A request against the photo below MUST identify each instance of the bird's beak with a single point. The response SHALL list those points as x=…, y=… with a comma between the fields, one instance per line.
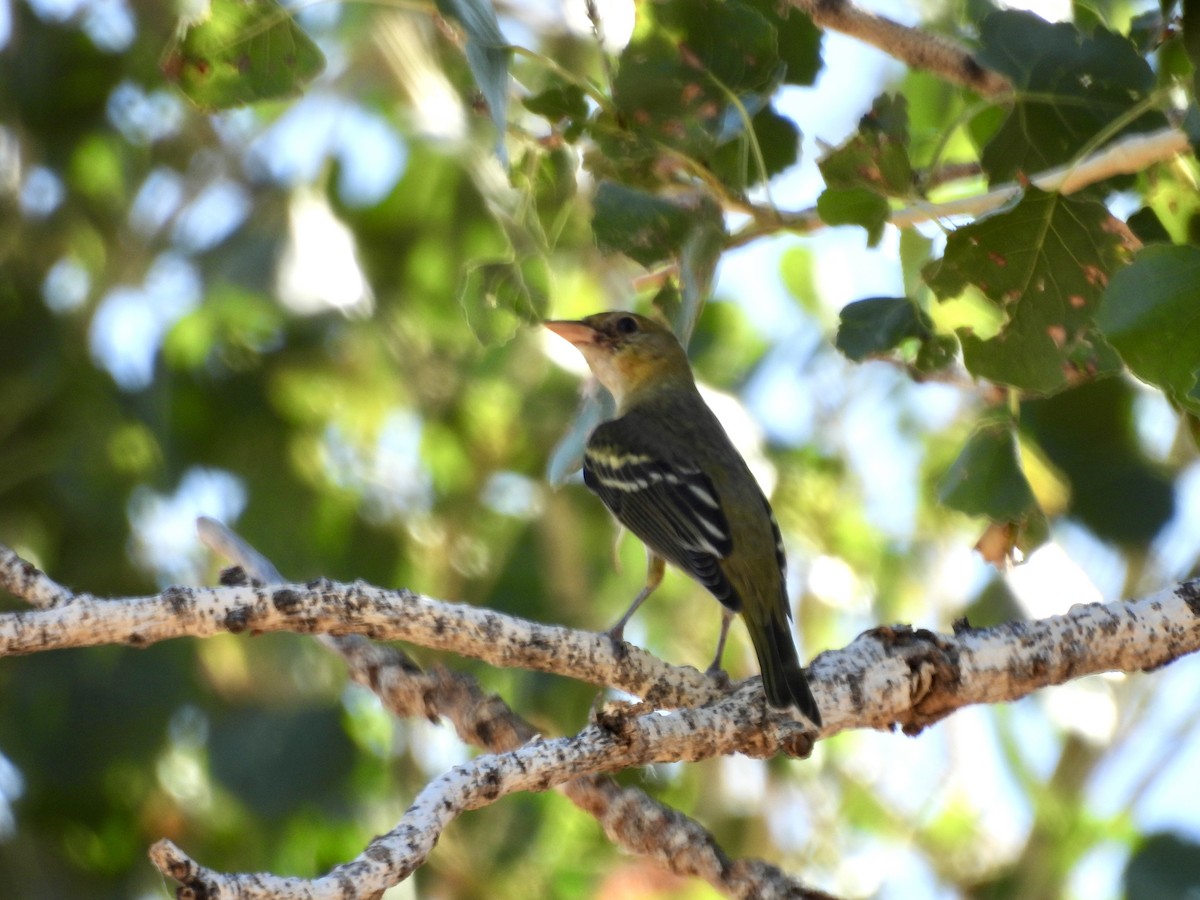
x=577, y=333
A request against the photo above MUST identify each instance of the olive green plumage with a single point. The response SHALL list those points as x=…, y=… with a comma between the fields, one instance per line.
x=669, y=473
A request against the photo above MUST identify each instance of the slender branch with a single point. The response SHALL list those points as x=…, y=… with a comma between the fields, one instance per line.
x=615, y=741
x=631, y=819
x=878, y=681
x=916, y=48
x=25, y=580
x=1127, y=156
x=329, y=608
x=888, y=677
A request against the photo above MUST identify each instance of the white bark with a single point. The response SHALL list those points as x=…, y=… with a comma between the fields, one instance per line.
x=888, y=677
x=1127, y=156
x=631, y=819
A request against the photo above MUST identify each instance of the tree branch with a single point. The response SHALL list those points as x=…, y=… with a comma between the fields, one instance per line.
x=916, y=48
x=615, y=741
x=1129, y=155
x=631, y=819
x=886, y=678
x=329, y=608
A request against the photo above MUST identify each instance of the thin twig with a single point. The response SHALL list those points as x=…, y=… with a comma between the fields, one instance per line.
x=1126, y=156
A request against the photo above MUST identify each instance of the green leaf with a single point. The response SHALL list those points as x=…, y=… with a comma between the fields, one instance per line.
x=624, y=153
x=650, y=229
x=1148, y=227
x=241, y=52
x=676, y=80
x=987, y=478
x=664, y=101
x=1146, y=30
x=1165, y=864
x=799, y=40
x=698, y=266
x=547, y=178
x=1151, y=316
x=915, y=250
x=936, y=353
x=499, y=296
x=1070, y=86
x=487, y=56
x=876, y=157
x=1090, y=436
x=735, y=162
x=727, y=40
x=562, y=102
x=876, y=325
x=855, y=206
x=1191, y=38
x=644, y=227
x=1044, y=261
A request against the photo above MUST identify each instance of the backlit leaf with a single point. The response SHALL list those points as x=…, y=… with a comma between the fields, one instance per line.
x=241, y=52
x=876, y=156
x=1070, y=86
x=1045, y=262
x=877, y=325
x=487, y=56
x=1150, y=315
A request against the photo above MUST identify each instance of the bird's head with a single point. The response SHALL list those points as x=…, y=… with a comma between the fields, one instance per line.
x=628, y=353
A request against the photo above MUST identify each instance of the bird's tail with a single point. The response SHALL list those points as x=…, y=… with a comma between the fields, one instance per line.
x=783, y=678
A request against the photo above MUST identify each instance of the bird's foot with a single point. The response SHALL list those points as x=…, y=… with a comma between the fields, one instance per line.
x=715, y=672
x=616, y=634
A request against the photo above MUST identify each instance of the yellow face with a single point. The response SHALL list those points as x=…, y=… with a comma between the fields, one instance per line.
x=625, y=351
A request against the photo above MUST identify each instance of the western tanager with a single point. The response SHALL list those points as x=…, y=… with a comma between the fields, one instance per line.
x=669, y=473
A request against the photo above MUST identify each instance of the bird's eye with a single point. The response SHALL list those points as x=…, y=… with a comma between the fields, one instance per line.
x=627, y=325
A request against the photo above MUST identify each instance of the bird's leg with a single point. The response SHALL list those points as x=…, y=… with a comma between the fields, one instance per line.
x=726, y=618
x=654, y=576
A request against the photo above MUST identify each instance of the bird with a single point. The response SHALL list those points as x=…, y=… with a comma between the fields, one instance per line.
x=668, y=472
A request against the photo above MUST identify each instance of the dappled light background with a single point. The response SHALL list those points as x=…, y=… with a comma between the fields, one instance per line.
x=273, y=316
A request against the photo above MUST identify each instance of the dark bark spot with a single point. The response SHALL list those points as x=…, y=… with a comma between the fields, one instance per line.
x=237, y=619
x=378, y=852
x=856, y=695
x=234, y=576
x=1189, y=593
x=178, y=599
x=973, y=71
x=490, y=788
x=286, y=600
x=613, y=720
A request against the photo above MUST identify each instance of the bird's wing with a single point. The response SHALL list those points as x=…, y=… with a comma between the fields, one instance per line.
x=672, y=506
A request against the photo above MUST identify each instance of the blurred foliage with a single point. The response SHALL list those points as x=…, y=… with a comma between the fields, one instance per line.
x=312, y=318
